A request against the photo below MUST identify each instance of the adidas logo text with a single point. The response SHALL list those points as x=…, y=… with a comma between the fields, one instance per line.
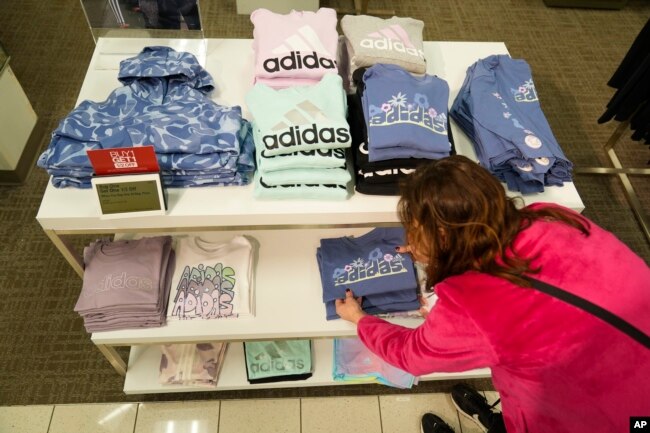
x=302, y=185
x=390, y=45
x=334, y=153
x=277, y=365
x=297, y=61
x=296, y=137
x=123, y=281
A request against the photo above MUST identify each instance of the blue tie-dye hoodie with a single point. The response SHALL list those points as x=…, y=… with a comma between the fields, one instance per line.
x=164, y=102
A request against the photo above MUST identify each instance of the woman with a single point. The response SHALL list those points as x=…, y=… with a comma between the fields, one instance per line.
x=557, y=367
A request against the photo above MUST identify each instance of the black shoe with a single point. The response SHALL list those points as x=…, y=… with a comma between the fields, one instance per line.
x=434, y=424
x=474, y=406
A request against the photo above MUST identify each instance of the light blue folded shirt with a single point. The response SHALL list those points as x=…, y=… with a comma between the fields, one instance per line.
x=315, y=158
x=262, y=190
x=300, y=118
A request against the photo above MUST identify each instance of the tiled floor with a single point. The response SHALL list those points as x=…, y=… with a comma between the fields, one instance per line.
x=367, y=414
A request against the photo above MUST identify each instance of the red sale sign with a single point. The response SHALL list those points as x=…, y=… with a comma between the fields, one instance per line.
x=123, y=160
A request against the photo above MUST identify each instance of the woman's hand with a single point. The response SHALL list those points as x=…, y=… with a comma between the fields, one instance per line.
x=349, y=308
x=403, y=249
x=415, y=255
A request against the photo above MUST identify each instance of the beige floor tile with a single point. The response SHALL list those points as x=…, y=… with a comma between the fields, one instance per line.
x=493, y=396
x=402, y=413
x=178, y=417
x=340, y=415
x=94, y=418
x=260, y=416
x=25, y=419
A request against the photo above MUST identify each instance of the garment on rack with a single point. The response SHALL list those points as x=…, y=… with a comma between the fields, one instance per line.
x=633, y=58
x=164, y=102
x=640, y=124
x=212, y=280
x=278, y=361
x=191, y=364
x=634, y=93
x=126, y=283
x=498, y=108
x=354, y=362
x=632, y=81
x=294, y=49
x=370, y=40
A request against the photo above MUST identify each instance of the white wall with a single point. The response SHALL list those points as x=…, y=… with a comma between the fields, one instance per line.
x=17, y=119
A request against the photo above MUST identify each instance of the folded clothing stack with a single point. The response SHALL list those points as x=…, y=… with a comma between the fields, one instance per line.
x=498, y=108
x=294, y=49
x=191, y=364
x=369, y=266
x=398, y=121
x=164, y=103
x=126, y=284
x=355, y=363
x=278, y=361
x=367, y=41
x=212, y=280
x=301, y=134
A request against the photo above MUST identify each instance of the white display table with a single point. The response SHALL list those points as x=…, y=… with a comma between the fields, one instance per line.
x=287, y=284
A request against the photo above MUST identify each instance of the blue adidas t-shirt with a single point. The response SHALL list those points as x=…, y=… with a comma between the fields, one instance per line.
x=513, y=114
x=387, y=303
x=367, y=265
x=404, y=113
x=498, y=108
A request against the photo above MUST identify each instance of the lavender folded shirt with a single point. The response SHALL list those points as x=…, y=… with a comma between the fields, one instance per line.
x=123, y=273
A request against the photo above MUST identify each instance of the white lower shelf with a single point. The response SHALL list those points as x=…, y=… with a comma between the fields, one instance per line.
x=288, y=296
x=144, y=362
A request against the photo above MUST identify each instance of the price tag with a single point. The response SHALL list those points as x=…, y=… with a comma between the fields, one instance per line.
x=129, y=195
x=123, y=160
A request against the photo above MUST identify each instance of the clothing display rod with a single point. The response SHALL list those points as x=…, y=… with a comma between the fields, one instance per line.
x=622, y=173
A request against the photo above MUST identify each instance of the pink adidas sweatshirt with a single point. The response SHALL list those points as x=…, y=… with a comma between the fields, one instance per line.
x=557, y=368
x=298, y=46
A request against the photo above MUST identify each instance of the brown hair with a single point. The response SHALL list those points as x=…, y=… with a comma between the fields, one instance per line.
x=457, y=213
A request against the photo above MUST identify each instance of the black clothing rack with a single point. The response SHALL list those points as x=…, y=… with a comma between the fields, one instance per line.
x=630, y=105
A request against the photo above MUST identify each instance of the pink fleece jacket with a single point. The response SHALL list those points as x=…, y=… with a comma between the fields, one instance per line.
x=557, y=368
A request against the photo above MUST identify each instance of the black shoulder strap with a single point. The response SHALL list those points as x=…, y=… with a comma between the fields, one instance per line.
x=594, y=309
